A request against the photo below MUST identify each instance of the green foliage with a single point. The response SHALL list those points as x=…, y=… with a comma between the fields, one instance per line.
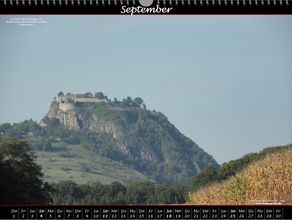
x=152, y=131
x=128, y=102
x=68, y=192
x=140, y=193
x=60, y=93
x=20, y=179
x=137, y=101
x=85, y=95
x=116, y=193
x=207, y=176
x=170, y=194
x=102, y=144
x=18, y=130
x=99, y=95
x=42, y=144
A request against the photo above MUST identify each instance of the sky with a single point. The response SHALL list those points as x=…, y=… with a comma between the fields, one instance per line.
x=223, y=81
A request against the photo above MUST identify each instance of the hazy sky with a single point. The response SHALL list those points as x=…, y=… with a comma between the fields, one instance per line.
x=223, y=81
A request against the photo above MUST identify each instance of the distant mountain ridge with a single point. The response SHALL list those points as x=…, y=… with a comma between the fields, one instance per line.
x=123, y=131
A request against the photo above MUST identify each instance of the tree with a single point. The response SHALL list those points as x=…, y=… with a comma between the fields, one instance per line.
x=137, y=101
x=20, y=179
x=170, y=194
x=140, y=193
x=116, y=192
x=88, y=95
x=60, y=93
x=208, y=175
x=67, y=192
x=128, y=101
x=99, y=95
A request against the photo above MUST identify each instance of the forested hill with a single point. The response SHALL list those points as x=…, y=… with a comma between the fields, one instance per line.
x=255, y=178
x=87, y=137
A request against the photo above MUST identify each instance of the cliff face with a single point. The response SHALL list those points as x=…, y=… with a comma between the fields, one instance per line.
x=77, y=120
x=144, y=139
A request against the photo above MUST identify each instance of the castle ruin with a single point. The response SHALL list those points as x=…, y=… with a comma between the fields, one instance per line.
x=70, y=101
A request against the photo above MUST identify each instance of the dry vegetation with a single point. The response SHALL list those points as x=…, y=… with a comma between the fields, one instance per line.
x=269, y=179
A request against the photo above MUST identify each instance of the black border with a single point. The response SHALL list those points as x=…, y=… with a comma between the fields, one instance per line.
x=182, y=7
x=114, y=211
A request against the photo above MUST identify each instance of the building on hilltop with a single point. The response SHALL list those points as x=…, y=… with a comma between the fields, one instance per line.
x=69, y=101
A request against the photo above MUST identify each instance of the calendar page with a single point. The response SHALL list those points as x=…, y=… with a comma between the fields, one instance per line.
x=149, y=109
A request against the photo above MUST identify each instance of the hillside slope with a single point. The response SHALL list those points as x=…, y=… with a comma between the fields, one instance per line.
x=268, y=179
x=78, y=164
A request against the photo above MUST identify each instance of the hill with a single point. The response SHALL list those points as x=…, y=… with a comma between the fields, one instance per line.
x=88, y=137
x=264, y=180
x=211, y=174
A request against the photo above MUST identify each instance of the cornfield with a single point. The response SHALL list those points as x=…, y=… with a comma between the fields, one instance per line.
x=268, y=180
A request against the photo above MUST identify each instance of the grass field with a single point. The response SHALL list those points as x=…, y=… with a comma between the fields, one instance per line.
x=81, y=166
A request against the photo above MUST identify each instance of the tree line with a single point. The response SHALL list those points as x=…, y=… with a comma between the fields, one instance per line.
x=68, y=192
